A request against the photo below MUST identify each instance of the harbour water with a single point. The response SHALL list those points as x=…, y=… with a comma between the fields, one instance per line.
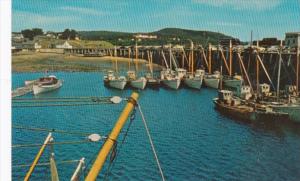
x=192, y=139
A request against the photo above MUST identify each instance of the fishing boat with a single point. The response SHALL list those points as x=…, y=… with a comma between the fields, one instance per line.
x=151, y=81
x=117, y=82
x=138, y=83
x=194, y=81
x=239, y=109
x=169, y=79
x=46, y=84
x=212, y=80
x=232, y=82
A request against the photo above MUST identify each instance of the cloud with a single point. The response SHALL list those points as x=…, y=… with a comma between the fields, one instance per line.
x=23, y=19
x=242, y=4
x=80, y=10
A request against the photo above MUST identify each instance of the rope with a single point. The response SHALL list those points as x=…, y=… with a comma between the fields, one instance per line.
x=52, y=105
x=51, y=130
x=116, y=152
x=151, y=143
x=45, y=164
x=54, y=143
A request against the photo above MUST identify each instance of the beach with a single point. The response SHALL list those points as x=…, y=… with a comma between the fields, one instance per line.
x=40, y=62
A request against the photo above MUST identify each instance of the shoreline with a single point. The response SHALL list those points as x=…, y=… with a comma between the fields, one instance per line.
x=34, y=62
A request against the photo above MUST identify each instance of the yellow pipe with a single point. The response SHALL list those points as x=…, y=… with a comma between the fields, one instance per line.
x=38, y=156
x=103, y=153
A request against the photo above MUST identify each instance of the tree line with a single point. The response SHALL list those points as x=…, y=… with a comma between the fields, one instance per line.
x=67, y=34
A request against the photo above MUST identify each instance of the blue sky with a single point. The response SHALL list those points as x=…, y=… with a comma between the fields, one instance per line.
x=267, y=18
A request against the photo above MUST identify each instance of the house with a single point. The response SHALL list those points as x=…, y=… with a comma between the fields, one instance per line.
x=17, y=37
x=144, y=36
x=292, y=39
x=66, y=45
x=31, y=45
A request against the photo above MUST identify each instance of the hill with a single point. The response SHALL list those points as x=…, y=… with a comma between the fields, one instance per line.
x=164, y=36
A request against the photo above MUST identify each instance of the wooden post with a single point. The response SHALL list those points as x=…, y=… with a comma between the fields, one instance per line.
x=297, y=71
x=111, y=140
x=209, y=58
x=257, y=72
x=230, y=58
x=37, y=158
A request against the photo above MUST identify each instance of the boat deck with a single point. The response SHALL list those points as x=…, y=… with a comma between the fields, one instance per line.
x=22, y=91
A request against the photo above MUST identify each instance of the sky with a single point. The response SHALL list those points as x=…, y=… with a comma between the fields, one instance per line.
x=267, y=18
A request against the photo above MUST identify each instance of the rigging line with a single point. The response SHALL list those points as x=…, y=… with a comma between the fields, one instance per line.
x=51, y=130
x=59, y=100
x=57, y=105
x=42, y=98
x=54, y=143
x=45, y=164
x=151, y=142
x=111, y=164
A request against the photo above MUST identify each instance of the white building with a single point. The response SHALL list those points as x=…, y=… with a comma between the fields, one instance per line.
x=292, y=39
x=66, y=45
x=143, y=36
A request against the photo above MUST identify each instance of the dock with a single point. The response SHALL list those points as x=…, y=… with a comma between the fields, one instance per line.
x=22, y=91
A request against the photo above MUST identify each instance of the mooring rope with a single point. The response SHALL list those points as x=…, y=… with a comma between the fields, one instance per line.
x=45, y=164
x=151, y=143
x=50, y=130
x=61, y=101
x=53, y=143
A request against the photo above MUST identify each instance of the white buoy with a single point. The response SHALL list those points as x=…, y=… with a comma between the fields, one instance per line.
x=94, y=137
x=116, y=99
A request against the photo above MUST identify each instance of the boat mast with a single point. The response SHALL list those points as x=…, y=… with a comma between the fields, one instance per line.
x=230, y=58
x=170, y=52
x=297, y=72
x=279, y=69
x=192, y=56
x=136, y=56
x=257, y=72
x=209, y=58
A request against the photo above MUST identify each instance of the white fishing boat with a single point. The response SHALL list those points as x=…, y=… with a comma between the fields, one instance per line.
x=194, y=81
x=139, y=83
x=232, y=82
x=46, y=84
x=212, y=80
x=172, y=82
x=117, y=82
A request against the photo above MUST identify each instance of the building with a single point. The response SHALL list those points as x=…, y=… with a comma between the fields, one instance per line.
x=292, y=39
x=268, y=42
x=144, y=36
x=30, y=45
x=225, y=42
x=66, y=45
x=17, y=37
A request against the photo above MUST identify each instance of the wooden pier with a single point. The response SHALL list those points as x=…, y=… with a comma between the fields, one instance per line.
x=22, y=91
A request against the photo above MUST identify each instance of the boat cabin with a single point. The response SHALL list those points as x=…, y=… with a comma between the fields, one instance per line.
x=225, y=95
x=131, y=75
x=181, y=72
x=244, y=92
x=200, y=72
x=264, y=89
x=48, y=80
x=291, y=90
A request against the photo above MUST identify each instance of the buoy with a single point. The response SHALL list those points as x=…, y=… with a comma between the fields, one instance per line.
x=94, y=137
x=116, y=99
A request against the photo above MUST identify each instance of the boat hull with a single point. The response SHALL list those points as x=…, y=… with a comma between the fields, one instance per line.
x=139, y=83
x=232, y=83
x=193, y=83
x=37, y=89
x=292, y=110
x=153, y=83
x=173, y=83
x=212, y=82
x=117, y=84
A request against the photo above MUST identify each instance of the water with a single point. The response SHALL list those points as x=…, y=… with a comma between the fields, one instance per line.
x=193, y=141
